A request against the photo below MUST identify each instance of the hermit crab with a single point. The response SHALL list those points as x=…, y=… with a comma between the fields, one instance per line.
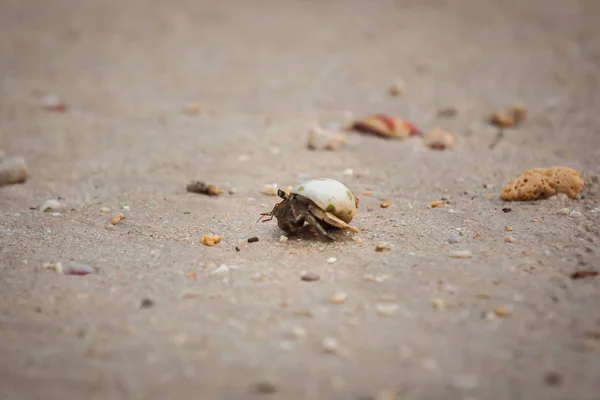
x=319, y=202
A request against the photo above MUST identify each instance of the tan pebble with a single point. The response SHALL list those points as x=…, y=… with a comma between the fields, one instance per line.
x=104, y=210
x=564, y=211
x=488, y=196
x=339, y=297
x=501, y=311
x=386, y=309
x=385, y=204
x=540, y=183
x=382, y=247
x=438, y=304
x=331, y=345
x=509, y=239
x=502, y=120
x=397, y=88
x=434, y=204
x=461, y=254
x=508, y=228
x=193, y=109
x=13, y=171
x=50, y=205
x=283, y=239
x=388, y=298
x=269, y=189
x=439, y=139
x=575, y=214
x=210, y=240
x=357, y=240
x=484, y=295
x=117, y=218
x=368, y=192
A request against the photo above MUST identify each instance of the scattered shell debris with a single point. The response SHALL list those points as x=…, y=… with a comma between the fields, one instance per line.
x=270, y=189
x=118, y=217
x=310, y=277
x=461, y=254
x=50, y=205
x=13, y=171
x=386, y=309
x=382, y=247
x=397, y=87
x=385, y=204
x=331, y=260
x=210, y=240
x=440, y=139
x=386, y=126
x=203, y=188
x=540, y=183
x=513, y=117
x=70, y=268
x=339, y=297
x=322, y=139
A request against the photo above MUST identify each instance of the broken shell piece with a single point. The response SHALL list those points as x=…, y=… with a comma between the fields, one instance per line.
x=13, y=171
x=53, y=103
x=513, y=117
x=434, y=204
x=461, y=254
x=540, y=183
x=117, y=218
x=386, y=126
x=71, y=268
x=203, y=188
x=210, y=240
x=321, y=139
x=269, y=189
x=386, y=309
x=439, y=139
x=397, y=88
x=50, y=205
x=339, y=297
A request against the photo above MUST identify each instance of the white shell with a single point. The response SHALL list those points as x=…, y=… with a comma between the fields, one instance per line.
x=329, y=195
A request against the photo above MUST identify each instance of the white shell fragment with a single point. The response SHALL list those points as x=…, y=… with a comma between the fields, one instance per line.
x=269, y=189
x=329, y=195
x=50, y=205
x=461, y=254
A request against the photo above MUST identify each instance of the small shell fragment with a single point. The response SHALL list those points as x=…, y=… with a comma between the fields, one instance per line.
x=385, y=204
x=438, y=304
x=339, y=297
x=564, y=211
x=269, y=189
x=117, y=218
x=193, y=109
x=397, y=88
x=283, y=239
x=386, y=126
x=513, y=117
x=331, y=260
x=331, y=345
x=104, y=210
x=71, y=268
x=439, y=139
x=321, y=139
x=509, y=239
x=382, y=247
x=502, y=311
x=461, y=254
x=386, y=309
x=508, y=228
x=50, y=205
x=13, y=171
x=434, y=204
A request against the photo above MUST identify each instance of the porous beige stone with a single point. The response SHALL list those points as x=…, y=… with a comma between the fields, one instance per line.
x=539, y=183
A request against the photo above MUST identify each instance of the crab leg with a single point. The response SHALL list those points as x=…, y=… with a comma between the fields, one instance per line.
x=312, y=221
x=335, y=221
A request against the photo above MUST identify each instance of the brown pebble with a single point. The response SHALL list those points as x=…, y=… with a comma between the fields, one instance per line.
x=310, y=277
x=385, y=204
x=13, y=171
x=502, y=120
x=447, y=112
x=253, y=239
x=553, y=378
x=117, y=218
x=265, y=388
x=146, y=303
x=203, y=188
x=502, y=311
x=382, y=247
x=397, y=88
x=581, y=274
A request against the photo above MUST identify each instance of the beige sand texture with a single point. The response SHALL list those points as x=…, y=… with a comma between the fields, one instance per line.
x=446, y=310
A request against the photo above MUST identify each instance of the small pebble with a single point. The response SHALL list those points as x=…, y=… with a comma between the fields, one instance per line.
x=104, y=210
x=339, y=297
x=438, y=304
x=310, y=277
x=385, y=204
x=575, y=214
x=117, y=218
x=386, y=309
x=203, y=188
x=484, y=295
x=331, y=345
x=348, y=172
x=54, y=103
x=506, y=209
x=382, y=246
x=388, y=298
x=146, y=303
x=564, y=211
x=553, y=378
x=376, y=279
x=509, y=239
x=298, y=332
x=434, y=204
x=253, y=239
x=192, y=109
x=331, y=260
x=283, y=239
x=454, y=239
x=210, y=240
x=50, y=205
x=461, y=254
x=397, y=88
x=502, y=311
x=269, y=189
x=265, y=388
x=13, y=171
x=508, y=228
